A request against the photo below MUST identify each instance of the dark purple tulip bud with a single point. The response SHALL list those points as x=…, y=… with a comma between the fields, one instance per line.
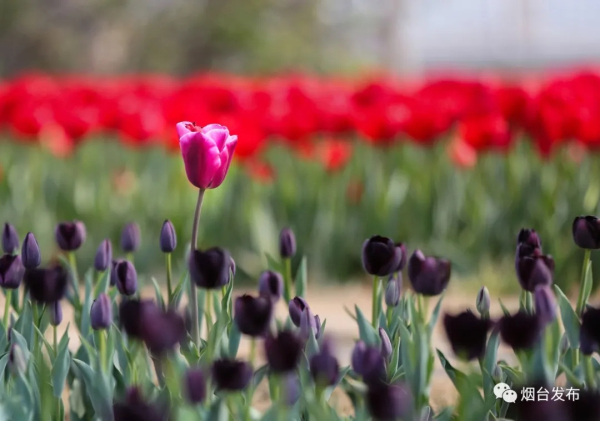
x=17, y=364
x=586, y=232
x=545, y=303
x=253, y=315
x=429, y=276
x=530, y=239
x=287, y=243
x=103, y=258
x=130, y=237
x=46, y=285
x=318, y=324
x=210, y=269
x=403, y=257
x=231, y=375
x=56, y=314
x=161, y=331
x=392, y=290
x=168, y=237
x=283, y=351
x=309, y=323
x=292, y=388
x=11, y=271
x=483, y=301
x=270, y=284
x=586, y=407
x=589, y=336
x=113, y=272
x=467, y=334
x=296, y=307
x=521, y=330
x=535, y=270
x=195, y=386
x=126, y=277
x=70, y=235
x=10, y=239
x=368, y=362
x=131, y=315
x=324, y=367
x=534, y=410
x=388, y=401
x=386, y=344
x=380, y=256
x=30, y=252
x=135, y=408
x=101, y=312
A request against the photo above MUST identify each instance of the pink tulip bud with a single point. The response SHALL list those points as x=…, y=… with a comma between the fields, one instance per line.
x=207, y=152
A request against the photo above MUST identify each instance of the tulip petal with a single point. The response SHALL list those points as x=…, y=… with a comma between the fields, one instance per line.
x=201, y=158
x=226, y=156
x=218, y=135
x=182, y=128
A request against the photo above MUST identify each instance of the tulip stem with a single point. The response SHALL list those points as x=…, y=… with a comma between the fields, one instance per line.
x=582, y=286
x=102, y=349
x=55, y=341
x=74, y=276
x=252, y=351
x=7, y=308
x=169, y=290
x=193, y=293
x=588, y=367
x=208, y=311
x=375, y=302
x=287, y=279
x=528, y=302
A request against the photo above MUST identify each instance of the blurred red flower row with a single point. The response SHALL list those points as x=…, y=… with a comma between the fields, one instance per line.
x=315, y=116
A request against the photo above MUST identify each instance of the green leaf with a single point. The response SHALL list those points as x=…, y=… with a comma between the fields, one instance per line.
x=504, y=309
x=587, y=283
x=395, y=358
x=3, y=337
x=158, y=294
x=259, y=375
x=312, y=347
x=218, y=411
x=366, y=332
x=3, y=363
x=24, y=323
x=516, y=377
x=103, y=283
x=234, y=340
x=436, y=313
x=60, y=367
x=18, y=339
x=85, y=324
x=98, y=390
x=273, y=264
x=489, y=362
x=301, y=279
x=569, y=318
x=180, y=289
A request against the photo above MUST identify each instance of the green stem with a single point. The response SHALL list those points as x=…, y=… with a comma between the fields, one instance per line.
x=102, y=346
x=374, y=302
x=169, y=290
x=582, y=287
x=193, y=293
x=588, y=366
x=74, y=276
x=287, y=279
x=7, y=308
x=528, y=302
x=129, y=256
x=252, y=351
x=208, y=311
x=55, y=341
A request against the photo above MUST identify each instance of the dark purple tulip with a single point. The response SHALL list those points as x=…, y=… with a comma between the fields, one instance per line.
x=296, y=307
x=70, y=235
x=168, y=237
x=535, y=270
x=380, y=256
x=586, y=408
x=324, y=367
x=30, y=252
x=287, y=243
x=403, y=257
x=467, y=334
x=126, y=277
x=130, y=237
x=210, y=269
x=11, y=271
x=113, y=272
x=270, y=284
x=253, y=315
x=56, y=314
x=161, y=331
x=232, y=375
x=135, y=408
x=47, y=285
x=103, y=258
x=130, y=316
x=392, y=290
x=195, y=386
x=527, y=242
x=590, y=331
x=368, y=362
x=586, y=232
x=386, y=344
x=545, y=303
x=292, y=388
x=10, y=239
x=101, y=312
x=535, y=410
x=521, y=330
x=388, y=401
x=429, y=276
x=283, y=351
x=308, y=323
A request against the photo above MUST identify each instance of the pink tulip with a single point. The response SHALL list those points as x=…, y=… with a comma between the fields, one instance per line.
x=207, y=152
